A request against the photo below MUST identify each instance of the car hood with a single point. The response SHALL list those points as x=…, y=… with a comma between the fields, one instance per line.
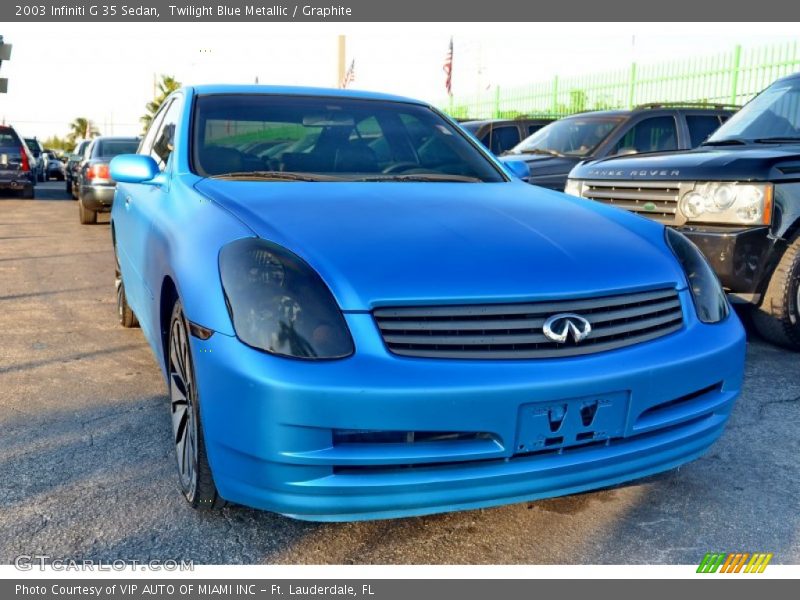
x=728, y=163
x=379, y=244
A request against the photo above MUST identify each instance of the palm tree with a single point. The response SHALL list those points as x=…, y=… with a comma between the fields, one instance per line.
x=166, y=86
x=82, y=128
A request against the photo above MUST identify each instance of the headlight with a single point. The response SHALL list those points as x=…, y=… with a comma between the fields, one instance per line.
x=574, y=187
x=728, y=203
x=279, y=304
x=709, y=298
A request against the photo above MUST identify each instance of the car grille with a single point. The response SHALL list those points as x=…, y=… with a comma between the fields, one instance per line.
x=657, y=200
x=514, y=331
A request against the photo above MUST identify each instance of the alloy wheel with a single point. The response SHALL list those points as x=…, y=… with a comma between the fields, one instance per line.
x=183, y=399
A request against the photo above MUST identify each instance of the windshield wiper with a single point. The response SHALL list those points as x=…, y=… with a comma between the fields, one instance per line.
x=726, y=142
x=275, y=176
x=422, y=177
x=543, y=151
x=777, y=140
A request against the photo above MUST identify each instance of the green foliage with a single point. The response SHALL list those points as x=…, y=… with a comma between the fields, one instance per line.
x=166, y=86
x=81, y=128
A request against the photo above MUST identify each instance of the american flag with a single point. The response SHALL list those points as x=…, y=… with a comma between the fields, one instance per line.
x=350, y=75
x=448, y=68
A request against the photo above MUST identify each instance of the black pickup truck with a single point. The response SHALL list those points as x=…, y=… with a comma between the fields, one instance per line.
x=737, y=197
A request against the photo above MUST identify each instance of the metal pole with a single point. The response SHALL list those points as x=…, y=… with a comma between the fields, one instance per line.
x=737, y=57
x=342, y=47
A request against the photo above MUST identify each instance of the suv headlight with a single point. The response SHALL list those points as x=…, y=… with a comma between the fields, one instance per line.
x=279, y=304
x=728, y=203
x=709, y=298
x=574, y=187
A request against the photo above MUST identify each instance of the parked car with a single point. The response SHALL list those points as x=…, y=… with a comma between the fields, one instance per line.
x=366, y=330
x=16, y=163
x=555, y=149
x=72, y=167
x=54, y=168
x=501, y=135
x=737, y=198
x=94, y=184
x=36, y=148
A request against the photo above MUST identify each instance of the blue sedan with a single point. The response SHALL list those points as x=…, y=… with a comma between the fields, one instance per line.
x=360, y=314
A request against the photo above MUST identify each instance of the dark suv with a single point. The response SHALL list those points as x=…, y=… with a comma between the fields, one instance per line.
x=737, y=197
x=17, y=164
x=500, y=135
x=552, y=151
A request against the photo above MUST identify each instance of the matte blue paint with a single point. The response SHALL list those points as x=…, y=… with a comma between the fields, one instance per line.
x=269, y=421
x=519, y=168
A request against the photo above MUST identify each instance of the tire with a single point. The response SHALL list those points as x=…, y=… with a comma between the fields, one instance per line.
x=125, y=313
x=68, y=187
x=87, y=216
x=194, y=473
x=29, y=193
x=777, y=318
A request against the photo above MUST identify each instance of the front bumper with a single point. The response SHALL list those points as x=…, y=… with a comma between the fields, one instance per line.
x=740, y=257
x=270, y=422
x=97, y=197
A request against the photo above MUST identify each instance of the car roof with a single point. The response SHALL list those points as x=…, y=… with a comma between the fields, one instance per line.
x=482, y=122
x=300, y=91
x=103, y=138
x=788, y=77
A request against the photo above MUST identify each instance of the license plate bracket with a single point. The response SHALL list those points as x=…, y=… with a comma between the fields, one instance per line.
x=572, y=422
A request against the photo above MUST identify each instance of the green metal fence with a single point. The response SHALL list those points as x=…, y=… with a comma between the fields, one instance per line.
x=727, y=78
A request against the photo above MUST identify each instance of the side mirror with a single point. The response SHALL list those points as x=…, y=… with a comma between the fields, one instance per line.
x=133, y=168
x=518, y=168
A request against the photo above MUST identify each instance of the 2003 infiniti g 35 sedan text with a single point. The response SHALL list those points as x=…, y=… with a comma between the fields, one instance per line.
x=361, y=314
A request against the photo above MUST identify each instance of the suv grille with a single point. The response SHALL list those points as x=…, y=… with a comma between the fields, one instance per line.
x=514, y=331
x=657, y=200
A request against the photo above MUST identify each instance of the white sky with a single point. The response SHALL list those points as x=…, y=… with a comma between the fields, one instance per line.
x=60, y=71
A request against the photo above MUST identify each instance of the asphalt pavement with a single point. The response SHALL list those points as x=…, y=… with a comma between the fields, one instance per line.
x=87, y=470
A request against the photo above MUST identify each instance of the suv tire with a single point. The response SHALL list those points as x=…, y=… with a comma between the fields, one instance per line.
x=777, y=318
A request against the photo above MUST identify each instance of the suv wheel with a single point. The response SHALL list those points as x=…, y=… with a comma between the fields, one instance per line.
x=68, y=187
x=194, y=472
x=29, y=193
x=87, y=216
x=777, y=318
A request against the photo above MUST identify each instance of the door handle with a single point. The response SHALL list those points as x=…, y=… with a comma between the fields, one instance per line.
x=127, y=201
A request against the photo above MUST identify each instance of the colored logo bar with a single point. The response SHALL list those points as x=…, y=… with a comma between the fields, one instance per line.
x=734, y=562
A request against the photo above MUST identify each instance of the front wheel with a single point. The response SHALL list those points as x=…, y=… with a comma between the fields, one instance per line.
x=194, y=472
x=777, y=318
x=125, y=313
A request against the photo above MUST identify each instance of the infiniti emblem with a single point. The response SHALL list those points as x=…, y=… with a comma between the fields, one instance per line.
x=560, y=327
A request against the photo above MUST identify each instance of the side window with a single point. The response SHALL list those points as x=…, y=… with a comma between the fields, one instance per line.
x=164, y=138
x=503, y=138
x=147, y=142
x=655, y=134
x=700, y=127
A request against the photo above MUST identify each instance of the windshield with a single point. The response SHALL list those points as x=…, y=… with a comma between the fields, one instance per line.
x=301, y=138
x=33, y=146
x=573, y=136
x=774, y=113
x=109, y=148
